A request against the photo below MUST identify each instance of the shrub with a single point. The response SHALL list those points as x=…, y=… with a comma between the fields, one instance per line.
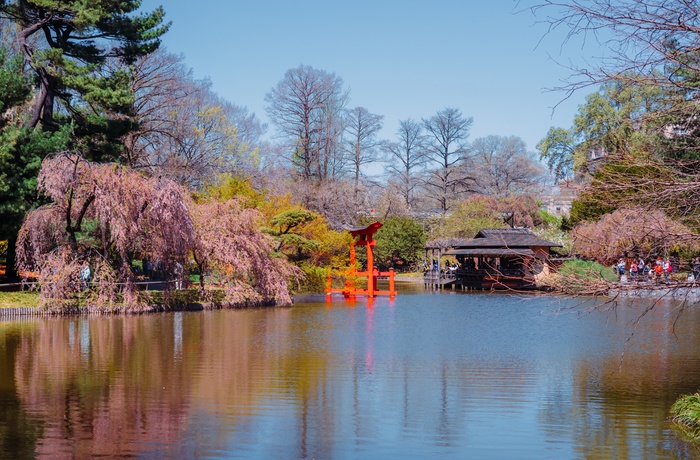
x=685, y=412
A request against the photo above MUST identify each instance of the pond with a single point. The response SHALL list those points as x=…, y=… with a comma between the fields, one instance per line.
x=425, y=375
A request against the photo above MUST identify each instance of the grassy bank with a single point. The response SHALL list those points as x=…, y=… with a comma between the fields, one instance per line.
x=160, y=300
x=23, y=299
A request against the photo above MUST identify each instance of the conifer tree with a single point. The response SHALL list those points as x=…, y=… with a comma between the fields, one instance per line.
x=71, y=93
x=67, y=44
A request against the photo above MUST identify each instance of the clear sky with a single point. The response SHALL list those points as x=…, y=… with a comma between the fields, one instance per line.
x=399, y=58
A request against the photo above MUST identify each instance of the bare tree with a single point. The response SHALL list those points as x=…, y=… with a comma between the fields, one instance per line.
x=306, y=107
x=643, y=39
x=159, y=81
x=185, y=131
x=333, y=160
x=204, y=143
x=364, y=146
x=407, y=156
x=503, y=167
x=447, y=133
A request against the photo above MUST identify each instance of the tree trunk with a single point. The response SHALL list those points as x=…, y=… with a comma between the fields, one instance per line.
x=11, y=260
x=42, y=108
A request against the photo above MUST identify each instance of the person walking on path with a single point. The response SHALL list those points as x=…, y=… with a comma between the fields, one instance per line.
x=178, y=275
x=658, y=269
x=85, y=276
x=620, y=267
x=646, y=271
x=667, y=269
x=634, y=268
x=695, y=267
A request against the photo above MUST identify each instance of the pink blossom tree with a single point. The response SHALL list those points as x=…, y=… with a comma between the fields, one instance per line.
x=130, y=214
x=230, y=242
x=107, y=215
x=631, y=230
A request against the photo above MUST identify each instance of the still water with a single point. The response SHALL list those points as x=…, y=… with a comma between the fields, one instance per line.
x=423, y=376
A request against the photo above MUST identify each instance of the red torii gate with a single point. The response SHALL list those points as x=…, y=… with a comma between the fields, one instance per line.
x=363, y=237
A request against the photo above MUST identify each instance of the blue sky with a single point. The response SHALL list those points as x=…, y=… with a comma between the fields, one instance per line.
x=399, y=58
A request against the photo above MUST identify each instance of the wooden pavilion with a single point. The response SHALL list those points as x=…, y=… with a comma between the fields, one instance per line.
x=503, y=258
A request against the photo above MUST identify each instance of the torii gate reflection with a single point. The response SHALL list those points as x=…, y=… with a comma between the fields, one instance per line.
x=363, y=237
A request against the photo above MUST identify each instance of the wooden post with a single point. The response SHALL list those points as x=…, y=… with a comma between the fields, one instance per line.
x=392, y=291
x=329, y=284
x=371, y=276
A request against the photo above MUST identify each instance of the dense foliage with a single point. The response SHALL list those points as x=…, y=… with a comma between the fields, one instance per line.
x=229, y=242
x=131, y=215
x=400, y=243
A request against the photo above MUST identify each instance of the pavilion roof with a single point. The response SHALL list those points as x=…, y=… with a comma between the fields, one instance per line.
x=494, y=238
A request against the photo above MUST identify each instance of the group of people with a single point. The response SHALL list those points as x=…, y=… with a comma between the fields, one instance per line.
x=646, y=270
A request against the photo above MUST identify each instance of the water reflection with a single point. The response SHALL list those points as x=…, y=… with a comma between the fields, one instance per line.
x=425, y=375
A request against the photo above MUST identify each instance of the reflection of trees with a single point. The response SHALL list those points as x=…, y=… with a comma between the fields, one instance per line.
x=305, y=379
x=616, y=400
x=121, y=385
x=104, y=386
x=18, y=430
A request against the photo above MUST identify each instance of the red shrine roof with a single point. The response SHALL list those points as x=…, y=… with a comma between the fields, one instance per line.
x=371, y=229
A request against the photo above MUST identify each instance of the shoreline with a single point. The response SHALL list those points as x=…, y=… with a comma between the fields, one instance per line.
x=680, y=290
x=676, y=291
x=9, y=312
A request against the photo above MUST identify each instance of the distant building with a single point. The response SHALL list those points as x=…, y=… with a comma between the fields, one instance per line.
x=676, y=130
x=596, y=158
x=558, y=201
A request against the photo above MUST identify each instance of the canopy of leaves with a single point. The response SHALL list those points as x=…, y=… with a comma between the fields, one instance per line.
x=228, y=186
x=400, y=243
x=618, y=119
x=286, y=221
x=79, y=53
x=14, y=85
x=558, y=148
x=21, y=152
x=642, y=182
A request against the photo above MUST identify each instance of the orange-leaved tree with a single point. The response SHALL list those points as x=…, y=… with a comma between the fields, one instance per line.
x=301, y=236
